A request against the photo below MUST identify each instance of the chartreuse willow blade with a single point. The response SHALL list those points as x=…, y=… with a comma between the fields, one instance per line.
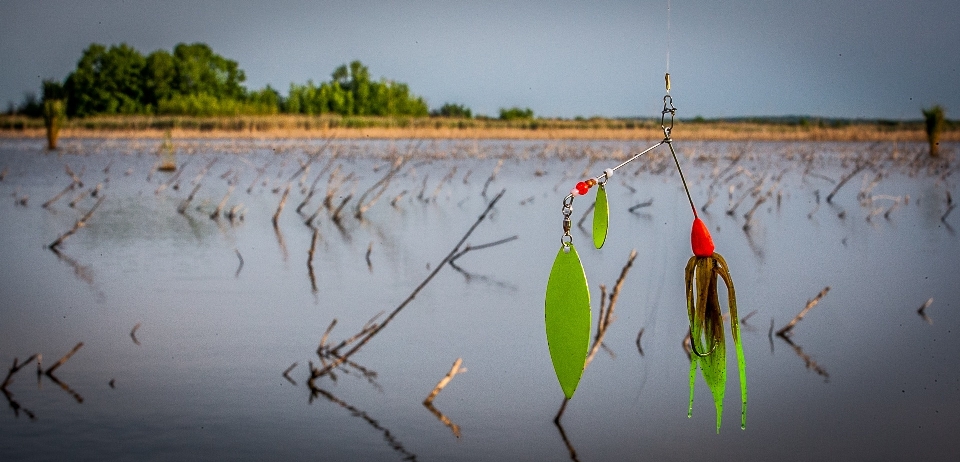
x=601, y=217
x=707, y=339
x=567, y=318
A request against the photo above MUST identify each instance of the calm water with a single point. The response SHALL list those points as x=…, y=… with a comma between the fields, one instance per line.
x=202, y=376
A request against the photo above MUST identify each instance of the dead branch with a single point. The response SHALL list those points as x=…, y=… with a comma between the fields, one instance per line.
x=428, y=403
x=375, y=330
x=336, y=212
x=444, y=381
x=186, y=202
x=313, y=249
x=14, y=369
x=859, y=167
x=922, y=311
x=641, y=205
x=639, y=348
x=62, y=360
x=283, y=202
x=73, y=176
x=382, y=184
x=786, y=330
x=749, y=215
x=493, y=176
x=133, y=334
x=223, y=203
x=237, y=251
x=443, y=181
x=286, y=374
x=54, y=199
x=79, y=224
x=605, y=318
x=367, y=257
x=469, y=248
x=323, y=338
x=396, y=199
x=311, y=192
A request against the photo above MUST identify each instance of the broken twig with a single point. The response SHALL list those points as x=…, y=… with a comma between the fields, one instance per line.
x=785, y=330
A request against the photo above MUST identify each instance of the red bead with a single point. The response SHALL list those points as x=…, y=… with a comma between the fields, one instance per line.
x=700, y=239
x=582, y=188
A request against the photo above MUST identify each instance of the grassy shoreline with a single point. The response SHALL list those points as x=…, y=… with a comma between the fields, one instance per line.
x=324, y=127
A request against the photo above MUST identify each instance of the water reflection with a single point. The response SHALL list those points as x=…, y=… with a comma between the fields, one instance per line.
x=391, y=440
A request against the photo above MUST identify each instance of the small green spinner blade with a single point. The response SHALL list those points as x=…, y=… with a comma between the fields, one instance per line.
x=601, y=217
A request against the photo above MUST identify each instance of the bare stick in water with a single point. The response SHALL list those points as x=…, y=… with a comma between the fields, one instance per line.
x=283, y=202
x=53, y=200
x=79, y=224
x=222, y=204
x=398, y=309
x=133, y=334
x=313, y=249
x=922, y=311
x=606, y=317
x=14, y=369
x=64, y=359
x=785, y=330
x=428, y=403
x=444, y=381
x=286, y=374
x=186, y=202
x=860, y=166
x=241, y=262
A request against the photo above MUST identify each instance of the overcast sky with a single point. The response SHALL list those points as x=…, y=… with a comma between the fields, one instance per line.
x=855, y=59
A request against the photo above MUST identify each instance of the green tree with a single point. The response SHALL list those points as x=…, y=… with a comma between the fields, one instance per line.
x=265, y=101
x=453, y=110
x=350, y=91
x=198, y=70
x=159, y=78
x=106, y=81
x=515, y=113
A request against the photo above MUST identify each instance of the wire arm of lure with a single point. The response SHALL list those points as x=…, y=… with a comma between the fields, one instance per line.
x=603, y=177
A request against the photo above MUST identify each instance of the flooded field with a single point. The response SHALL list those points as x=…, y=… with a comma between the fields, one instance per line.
x=206, y=310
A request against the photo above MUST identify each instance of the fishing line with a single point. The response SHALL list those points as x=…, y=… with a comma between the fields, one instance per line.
x=668, y=42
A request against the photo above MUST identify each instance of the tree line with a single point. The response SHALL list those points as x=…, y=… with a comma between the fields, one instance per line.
x=194, y=80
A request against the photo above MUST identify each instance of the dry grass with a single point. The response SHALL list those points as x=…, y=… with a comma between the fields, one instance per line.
x=326, y=127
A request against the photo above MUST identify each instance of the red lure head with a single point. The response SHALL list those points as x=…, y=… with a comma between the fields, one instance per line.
x=700, y=239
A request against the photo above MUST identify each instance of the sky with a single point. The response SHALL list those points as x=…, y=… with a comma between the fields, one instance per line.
x=868, y=59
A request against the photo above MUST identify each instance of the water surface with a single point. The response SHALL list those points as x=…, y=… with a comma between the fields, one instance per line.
x=867, y=378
